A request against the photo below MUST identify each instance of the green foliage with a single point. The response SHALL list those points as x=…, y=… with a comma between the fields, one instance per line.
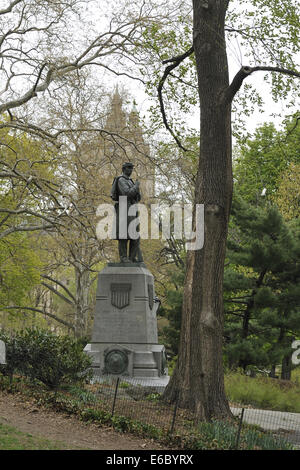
x=263, y=159
x=172, y=364
x=287, y=198
x=14, y=357
x=82, y=395
x=41, y=355
x=154, y=397
x=171, y=310
x=19, y=269
x=225, y=434
x=177, y=170
x=267, y=34
x=253, y=439
x=124, y=385
x=262, y=276
x=161, y=41
x=121, y=423
x=296, y=376
x=221, y=432
x=28, y=191
x=261, y=289
x=262, y=392
x=100, y=416
x=247, y=351
x=213, y=435
x=261, y=286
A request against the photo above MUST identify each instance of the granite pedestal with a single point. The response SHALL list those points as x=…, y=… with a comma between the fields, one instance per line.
x=124, y=339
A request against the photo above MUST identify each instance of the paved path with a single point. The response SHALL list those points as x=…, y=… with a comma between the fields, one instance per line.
x=285, y=424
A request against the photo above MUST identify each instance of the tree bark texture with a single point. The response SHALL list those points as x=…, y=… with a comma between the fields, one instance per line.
x=286, y=367
x=198, y=380
x=82, y=282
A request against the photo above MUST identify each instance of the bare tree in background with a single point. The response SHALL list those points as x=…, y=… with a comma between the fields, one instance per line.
x=42, y=42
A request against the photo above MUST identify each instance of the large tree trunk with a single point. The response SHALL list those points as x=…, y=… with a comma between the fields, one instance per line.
x=198, y=380
x=82, y=281
x=286, y=362
x=286, y=367
x=247, y=315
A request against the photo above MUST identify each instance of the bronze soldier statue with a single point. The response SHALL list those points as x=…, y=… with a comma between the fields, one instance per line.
x=124, y=186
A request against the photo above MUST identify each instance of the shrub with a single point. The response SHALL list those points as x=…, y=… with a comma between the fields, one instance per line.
x=14, y=356
x=44, y=356
x=224, y=435
x=82, y=395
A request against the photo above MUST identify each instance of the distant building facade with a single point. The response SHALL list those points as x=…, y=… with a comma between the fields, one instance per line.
x=123, y=141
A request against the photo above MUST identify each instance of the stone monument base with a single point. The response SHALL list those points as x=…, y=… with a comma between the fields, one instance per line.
x=124, y=340
x=134, y=360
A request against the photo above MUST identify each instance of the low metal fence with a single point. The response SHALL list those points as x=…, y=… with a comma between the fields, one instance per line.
x=142, y=401
x=136, y=399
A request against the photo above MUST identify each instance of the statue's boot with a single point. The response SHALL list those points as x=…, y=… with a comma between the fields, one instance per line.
x=135, y=254
x=123, y=251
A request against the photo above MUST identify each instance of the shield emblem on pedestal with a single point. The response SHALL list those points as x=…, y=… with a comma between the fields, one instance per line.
x=120, y=295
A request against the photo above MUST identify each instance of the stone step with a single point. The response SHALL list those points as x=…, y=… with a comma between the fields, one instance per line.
x=139, y=372
x=144, y=360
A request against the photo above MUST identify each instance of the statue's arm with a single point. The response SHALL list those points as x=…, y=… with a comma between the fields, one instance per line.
x=125, y=188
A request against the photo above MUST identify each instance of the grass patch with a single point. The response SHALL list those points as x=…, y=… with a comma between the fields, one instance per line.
x=12, y=439
x=296, y=375
x=263, y=392
x=224, y=435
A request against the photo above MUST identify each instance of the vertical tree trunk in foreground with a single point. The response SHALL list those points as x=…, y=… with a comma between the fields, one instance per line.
x=82, y=291
x=198, y=379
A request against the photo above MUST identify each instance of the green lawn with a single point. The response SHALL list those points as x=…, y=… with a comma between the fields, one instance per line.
x=12, y=439
x=263, y=392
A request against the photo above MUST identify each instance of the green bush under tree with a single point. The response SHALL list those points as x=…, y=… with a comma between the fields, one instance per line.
x=261, y=287
x=41, y=355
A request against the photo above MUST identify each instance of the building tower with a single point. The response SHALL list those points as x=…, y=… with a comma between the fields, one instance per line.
x=122, y=141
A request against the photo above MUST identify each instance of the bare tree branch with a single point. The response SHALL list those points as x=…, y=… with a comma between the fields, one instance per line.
x=44, y=312
x=175, y=61
x=56, y=292
x=25, y=228
x=245, y=72
x=19, y=56
x=60, y=284
x=27, y=212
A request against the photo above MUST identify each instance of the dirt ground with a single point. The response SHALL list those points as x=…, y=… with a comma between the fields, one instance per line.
x=40, y=422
